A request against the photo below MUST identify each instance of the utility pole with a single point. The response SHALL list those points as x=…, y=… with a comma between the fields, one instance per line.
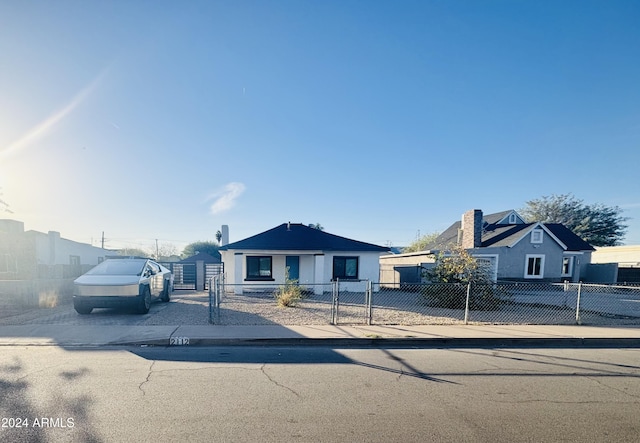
x=102, y=239
x=157, y=251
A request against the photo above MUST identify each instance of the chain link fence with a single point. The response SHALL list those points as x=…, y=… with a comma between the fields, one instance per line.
x=428, y=304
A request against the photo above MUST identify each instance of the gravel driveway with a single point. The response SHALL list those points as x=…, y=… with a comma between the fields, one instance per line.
x=185, y=308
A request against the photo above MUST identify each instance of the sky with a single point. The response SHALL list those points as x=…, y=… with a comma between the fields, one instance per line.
x=382, y=121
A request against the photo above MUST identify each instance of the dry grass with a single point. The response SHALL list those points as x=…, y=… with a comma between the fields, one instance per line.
x=288, y=295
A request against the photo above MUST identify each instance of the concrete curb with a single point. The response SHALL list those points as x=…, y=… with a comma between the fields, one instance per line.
x=411, y=342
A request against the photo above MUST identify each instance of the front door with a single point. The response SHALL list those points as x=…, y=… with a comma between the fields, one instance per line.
x=292, y=262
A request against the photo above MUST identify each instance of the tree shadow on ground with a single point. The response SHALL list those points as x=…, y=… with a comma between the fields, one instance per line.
x=68, y=417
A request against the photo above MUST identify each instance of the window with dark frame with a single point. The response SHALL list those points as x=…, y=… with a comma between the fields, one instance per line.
x=345, y=268
x=535, y=266
x=259, y=268
x=567, y=266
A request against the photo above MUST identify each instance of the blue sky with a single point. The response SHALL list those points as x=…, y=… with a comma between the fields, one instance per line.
x=379, y=120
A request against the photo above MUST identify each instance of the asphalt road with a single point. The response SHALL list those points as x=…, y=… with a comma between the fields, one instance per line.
x=308, y=394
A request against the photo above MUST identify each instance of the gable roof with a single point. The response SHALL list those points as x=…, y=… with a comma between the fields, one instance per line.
x=495, y=234
x=296, y=236
x=207, y=258
x=566, y=235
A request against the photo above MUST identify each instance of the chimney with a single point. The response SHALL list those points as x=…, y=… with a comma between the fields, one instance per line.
x=225, y=235
x=54, y=240
x=472, y=229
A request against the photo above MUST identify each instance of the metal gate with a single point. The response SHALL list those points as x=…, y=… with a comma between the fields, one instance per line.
x=212, y=270
x=351, y=302
x=185, y=275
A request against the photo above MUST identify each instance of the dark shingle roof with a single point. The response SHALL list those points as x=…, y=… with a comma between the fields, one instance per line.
x=495, y=218
x=503, y=235
x=296, y=236
x=494, y=235
x=566, y=236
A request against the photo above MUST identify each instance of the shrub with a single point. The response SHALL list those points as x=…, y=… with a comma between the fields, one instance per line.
x=290, y=293
x=483, y=297
x=446, y=295
x=450, y=278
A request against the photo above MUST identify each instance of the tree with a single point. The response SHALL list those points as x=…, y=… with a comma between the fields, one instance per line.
x=317, y=226
x=219, y=236
x=451, y=275
x=208, y=247
x=134, y=252
x=421, y=243
x=597, y=224
x=457, y=266
x=4, y=206
x=165, y=250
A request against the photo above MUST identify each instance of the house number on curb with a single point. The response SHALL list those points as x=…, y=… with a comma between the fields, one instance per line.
x=173, y=341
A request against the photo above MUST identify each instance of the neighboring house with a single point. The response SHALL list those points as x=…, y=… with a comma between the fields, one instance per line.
x=36, y=255
x=204, y=257
x=625, y=258
x=313, y=257
x=507, y=246
x=195, y=270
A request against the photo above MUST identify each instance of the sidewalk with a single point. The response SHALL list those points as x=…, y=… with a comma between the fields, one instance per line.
x=326, y=335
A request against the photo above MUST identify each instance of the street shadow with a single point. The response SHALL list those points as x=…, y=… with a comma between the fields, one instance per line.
x=608, y=369
x=278, y=355
x=24, y=421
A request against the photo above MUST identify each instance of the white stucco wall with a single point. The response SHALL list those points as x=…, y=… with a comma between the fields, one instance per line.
x=628, y=255
x=51, y=249
x=368, y=267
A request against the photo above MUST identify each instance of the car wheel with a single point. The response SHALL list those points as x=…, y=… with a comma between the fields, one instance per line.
x=82, y=310
x=166, y=291
x=144, y=303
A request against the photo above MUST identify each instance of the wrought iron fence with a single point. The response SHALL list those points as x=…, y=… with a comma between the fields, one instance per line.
x=417, y=304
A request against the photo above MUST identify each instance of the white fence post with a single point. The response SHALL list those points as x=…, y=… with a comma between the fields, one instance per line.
x=211, y=299
x=334, y=302
x=578, y=321
x=466, y=304
x=369, y=301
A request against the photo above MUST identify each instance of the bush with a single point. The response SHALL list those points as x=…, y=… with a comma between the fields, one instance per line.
x=450, y=278
x=446, y=295
x=289, y=294
x=483, y=297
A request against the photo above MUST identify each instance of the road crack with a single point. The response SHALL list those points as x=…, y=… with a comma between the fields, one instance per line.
x=147, y=380
x=280, y=385
x=604, y=385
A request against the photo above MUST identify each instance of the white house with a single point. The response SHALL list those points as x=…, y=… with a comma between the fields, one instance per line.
x=26, y=255
x=315, y=258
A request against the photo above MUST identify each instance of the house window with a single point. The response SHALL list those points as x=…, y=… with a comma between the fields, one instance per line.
x=259, y=268
x=74, y=260
x=536, y=236
x=512, y=219
x=534, y=266
x=345, y=268
x=8, y=264
x=567, y=266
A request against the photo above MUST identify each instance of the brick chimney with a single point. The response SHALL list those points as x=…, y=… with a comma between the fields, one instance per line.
x=472, y=229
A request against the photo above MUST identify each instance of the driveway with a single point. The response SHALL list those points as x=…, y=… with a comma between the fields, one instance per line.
x=185, y=308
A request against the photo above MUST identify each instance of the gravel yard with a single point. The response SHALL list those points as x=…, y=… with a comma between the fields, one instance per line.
x=192, y=308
